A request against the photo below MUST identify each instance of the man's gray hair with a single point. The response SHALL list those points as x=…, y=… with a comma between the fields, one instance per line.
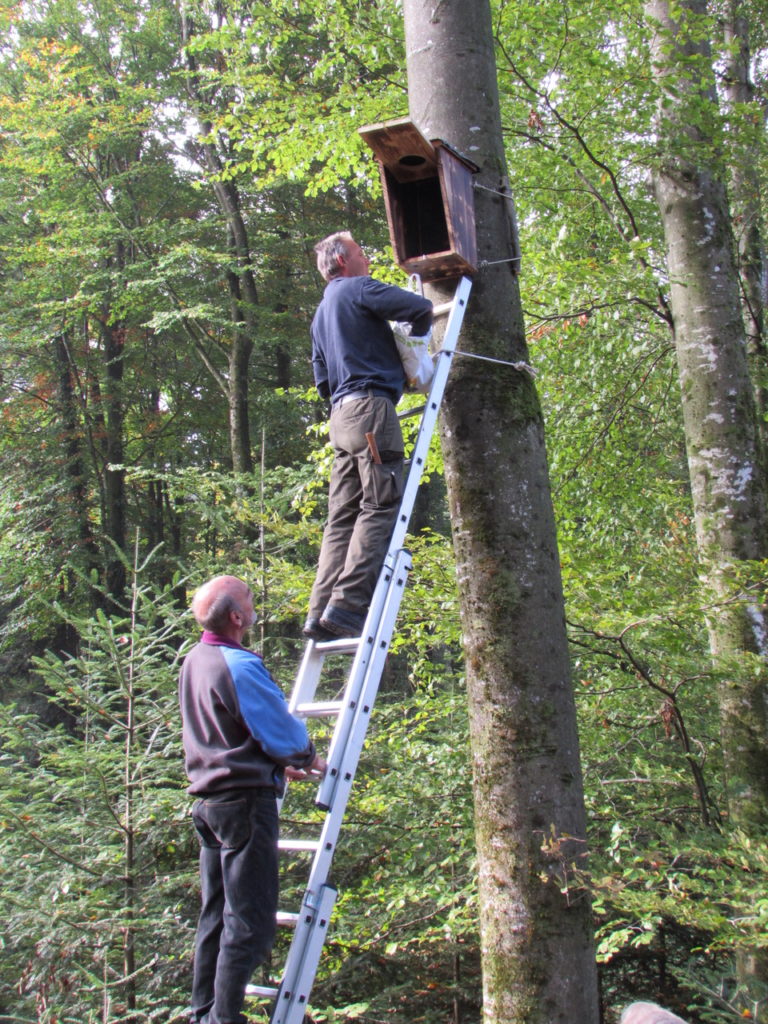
x=216, y=616
x=216, y=599
x=328, y=252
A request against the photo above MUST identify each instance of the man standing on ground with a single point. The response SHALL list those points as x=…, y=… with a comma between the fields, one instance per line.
x=240, y=742
x=356, y=364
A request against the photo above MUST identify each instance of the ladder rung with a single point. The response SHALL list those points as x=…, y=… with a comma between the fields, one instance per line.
x=321, y=709
x=286, y=919
x=298, y=845
x=444, y=307
x=265, y=991
x=417, y=410
x=344, y=645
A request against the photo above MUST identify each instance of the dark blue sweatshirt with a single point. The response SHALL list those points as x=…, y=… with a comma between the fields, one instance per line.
x=353, y=348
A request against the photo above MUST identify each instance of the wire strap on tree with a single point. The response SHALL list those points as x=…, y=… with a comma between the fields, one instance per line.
x=492, y=263
x=496, y=192
x=521, y=367
x=510, y=199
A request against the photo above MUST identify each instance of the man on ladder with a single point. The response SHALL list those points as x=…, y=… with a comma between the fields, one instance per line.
x=356, y=364
x=240, y=743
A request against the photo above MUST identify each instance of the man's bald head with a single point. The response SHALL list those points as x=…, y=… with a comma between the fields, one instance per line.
x=223, y=604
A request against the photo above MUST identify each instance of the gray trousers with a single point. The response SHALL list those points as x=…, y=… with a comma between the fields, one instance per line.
x=363, y=500
x=238, y=874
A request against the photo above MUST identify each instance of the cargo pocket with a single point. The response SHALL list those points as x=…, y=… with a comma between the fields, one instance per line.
x=387, y=480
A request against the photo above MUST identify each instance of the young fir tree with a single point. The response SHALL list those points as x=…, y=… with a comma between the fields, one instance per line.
x=96, y=851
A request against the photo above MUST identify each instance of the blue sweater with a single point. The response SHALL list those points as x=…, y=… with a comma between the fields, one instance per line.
x=236, y=727
x=353, y=348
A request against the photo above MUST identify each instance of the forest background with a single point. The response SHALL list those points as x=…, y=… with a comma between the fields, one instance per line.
x=164, y=173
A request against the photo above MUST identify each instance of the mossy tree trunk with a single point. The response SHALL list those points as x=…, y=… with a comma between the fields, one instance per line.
x=727, y=472
x=536, y=925
x=745, y=190
x=724, y=456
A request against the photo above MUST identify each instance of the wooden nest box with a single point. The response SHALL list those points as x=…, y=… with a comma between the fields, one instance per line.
x=429, y=200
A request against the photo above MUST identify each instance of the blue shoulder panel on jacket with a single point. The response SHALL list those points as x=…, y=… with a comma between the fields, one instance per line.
x=265, y=709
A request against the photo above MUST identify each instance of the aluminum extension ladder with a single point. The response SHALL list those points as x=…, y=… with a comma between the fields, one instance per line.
x=354, y=709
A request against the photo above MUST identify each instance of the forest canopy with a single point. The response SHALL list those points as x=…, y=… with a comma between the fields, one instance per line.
x=165, y=171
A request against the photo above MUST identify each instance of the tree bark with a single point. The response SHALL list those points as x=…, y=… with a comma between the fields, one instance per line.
x=728, y=483
x=724, y=458
x=80, y=543
x=241, y=281
x=745, y=191
x=86, y=554
x=114, y=512
x=243, y=309
x=536, y=925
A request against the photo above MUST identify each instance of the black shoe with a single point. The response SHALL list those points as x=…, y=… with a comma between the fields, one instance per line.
x=315, y=631
x=341, y=622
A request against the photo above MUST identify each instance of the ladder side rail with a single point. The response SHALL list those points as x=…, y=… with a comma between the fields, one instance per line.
x=307, y=678
x=306, y=945
x=303, y=958
x=337, y=754
x=456, y=317
x=355, y=681
x=444, y=359
x=360, y=694
x=418, y=457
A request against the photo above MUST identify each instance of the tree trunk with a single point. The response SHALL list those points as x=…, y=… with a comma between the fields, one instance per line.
x=113, y=338
x=244, y=329
x=745, y=192
x=86, y=555
x=728, y=481
x=727, y=475
x=80, y=543
x=241, y=282
x=536, y=926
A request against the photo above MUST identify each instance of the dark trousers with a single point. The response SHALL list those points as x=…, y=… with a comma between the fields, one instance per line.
x=238, y=833
x=363, y=500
